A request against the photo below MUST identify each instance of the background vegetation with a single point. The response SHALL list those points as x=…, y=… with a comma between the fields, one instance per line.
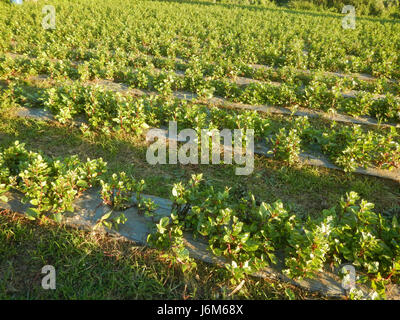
x=381, y=8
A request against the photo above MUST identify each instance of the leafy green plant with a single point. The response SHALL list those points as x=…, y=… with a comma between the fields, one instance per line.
x=112, y=223
x=250, y=236
x=351, y=147
x=118, y=193
x=286, y=145
x=49, y=185
x=169, y=236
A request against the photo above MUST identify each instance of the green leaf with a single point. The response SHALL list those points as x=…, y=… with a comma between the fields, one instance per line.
x=108, y=224
x=82, y=184
x=106, y=216
x=34, y=202
x=164, y=221
x=373, y=267
x=32, y=213
x=251, y=245
x=395, y=223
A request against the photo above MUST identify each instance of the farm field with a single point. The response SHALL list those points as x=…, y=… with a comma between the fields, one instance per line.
x=78, y=101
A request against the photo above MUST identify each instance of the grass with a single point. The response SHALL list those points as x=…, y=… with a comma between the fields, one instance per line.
x=96, y=266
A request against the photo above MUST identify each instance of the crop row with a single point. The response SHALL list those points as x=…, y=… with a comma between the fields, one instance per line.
x=318, y=94
x=248, y=233
x=224, y=36
x=106, y=111
x=252, y=235
x=116, y=60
